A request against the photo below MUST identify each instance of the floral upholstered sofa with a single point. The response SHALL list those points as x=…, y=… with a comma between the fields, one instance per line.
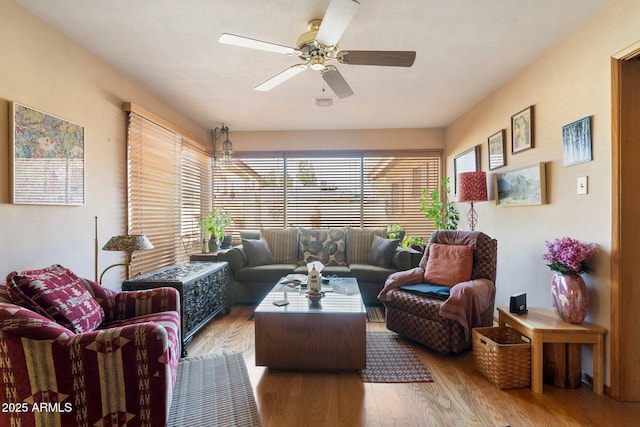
x=73, y=353
x=269, y=254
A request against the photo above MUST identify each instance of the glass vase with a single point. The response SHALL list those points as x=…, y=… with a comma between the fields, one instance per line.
x=570, y=297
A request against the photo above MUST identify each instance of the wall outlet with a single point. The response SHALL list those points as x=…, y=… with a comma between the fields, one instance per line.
x=582, y=185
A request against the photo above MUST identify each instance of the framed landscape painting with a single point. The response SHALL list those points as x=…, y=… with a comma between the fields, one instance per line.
x=496, y=150
x=522, y=187
x=47, y=159
x=522, y=130
x=576, y=142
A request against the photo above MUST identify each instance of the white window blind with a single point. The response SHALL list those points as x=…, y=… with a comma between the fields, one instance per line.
x=169, y=189
x=366, y=189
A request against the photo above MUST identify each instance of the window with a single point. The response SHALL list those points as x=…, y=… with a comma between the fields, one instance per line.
x=368, y=189
x=169, y=189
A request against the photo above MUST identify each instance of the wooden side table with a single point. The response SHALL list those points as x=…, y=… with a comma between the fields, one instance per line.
x=542, y=325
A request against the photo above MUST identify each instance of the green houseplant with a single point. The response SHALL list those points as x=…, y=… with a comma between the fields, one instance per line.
x=436, y=206
x=214, y=224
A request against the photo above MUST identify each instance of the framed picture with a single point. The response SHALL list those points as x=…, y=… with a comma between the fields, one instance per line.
x=47, y=159
x=467, y=161
x=576, y=142
x=521, y=187
x=522, y=130
x=496, y=150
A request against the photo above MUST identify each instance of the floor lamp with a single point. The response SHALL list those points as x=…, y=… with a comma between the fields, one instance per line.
x=127, y=243
x=472, y=187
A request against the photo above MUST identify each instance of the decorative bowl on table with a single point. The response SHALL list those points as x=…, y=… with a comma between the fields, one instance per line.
x=315, y=297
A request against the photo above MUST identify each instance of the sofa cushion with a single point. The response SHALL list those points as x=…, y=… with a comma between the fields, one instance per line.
x=435, y=291
x=264, y=273
x=58, y=292
x=448, y=265
x=370, y=273
x=257, y=252
x=283, y=244
x=382, y=251
x=327, y=245
x=359, y=241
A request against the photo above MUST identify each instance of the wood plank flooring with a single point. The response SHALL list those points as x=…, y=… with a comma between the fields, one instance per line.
x=459, y=395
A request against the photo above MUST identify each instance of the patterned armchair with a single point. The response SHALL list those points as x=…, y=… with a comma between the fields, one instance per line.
x=442, y=319
x=75, y=353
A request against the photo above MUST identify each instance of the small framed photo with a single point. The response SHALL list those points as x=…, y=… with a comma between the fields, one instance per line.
x=496, y=150
x=576, y=142
x=522, y=130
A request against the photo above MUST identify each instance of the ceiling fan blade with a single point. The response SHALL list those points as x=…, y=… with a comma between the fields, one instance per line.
x=241, y=41
x=391, y=58
x=335, y=21
x=337, y=83
x=281, y=77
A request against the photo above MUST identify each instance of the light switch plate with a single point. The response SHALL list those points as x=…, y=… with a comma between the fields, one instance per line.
x=582, y=185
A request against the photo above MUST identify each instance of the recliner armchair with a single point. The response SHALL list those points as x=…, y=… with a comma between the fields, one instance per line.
x=122, y=371
x=445, y=324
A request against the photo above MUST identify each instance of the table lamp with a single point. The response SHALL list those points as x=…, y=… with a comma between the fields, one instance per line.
x=472, y=187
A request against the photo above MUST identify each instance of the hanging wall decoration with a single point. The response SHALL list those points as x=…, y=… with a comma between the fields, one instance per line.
x=47, y=159
x=522, y=130
x=576, y=142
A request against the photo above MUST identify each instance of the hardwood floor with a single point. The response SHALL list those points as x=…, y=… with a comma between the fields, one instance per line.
x=459, y=395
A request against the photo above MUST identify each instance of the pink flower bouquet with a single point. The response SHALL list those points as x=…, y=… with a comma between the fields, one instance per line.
x=569, y=256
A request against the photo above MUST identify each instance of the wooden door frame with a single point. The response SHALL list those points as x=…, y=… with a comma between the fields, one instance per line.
x=625, y=219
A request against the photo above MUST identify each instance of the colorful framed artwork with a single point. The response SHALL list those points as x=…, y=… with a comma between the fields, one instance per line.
x=576, y=142
x=522, y=130
x=47, y=159
x=496, y=150
x=467, y=161
x=521, y=187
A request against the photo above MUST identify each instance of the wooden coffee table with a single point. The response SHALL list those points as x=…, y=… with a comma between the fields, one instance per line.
x=302, y=336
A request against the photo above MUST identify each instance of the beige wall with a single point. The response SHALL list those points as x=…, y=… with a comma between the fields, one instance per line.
x=43, y=69
x=379, y=139
x=567, y=83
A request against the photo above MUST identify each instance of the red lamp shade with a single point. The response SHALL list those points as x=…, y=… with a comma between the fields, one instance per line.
x=472, y=187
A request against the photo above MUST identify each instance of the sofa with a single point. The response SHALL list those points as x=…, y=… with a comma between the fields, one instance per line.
x=266, y=255
x=75, y=353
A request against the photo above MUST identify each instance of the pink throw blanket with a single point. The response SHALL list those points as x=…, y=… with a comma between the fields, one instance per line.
x=465, y=303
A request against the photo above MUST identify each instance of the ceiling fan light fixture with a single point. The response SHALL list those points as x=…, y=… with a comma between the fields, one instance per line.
x=323, y=102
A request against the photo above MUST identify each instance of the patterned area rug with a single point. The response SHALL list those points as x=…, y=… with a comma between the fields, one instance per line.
x=390, y=359
x=213, y=390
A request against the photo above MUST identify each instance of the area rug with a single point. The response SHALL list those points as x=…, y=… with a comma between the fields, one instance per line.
x=390, y=359
x=213, y=390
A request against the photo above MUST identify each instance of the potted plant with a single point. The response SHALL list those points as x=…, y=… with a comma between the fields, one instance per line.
x=414, y=243
x=214, y=224
x=437, y=207
x=395, y=231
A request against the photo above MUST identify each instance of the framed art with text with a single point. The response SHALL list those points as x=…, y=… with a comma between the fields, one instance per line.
x=522, y=130
x=496, y=150
x=47, y=159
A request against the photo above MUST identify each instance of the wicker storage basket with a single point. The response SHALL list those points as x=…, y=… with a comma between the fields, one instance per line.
x=502, y=356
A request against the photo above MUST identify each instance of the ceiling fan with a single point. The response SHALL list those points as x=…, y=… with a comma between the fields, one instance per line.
x=319, y=46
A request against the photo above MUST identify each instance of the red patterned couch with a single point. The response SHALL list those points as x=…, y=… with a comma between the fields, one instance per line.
x=73, y=353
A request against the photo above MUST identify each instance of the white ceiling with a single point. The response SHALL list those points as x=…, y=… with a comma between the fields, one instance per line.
x=465, y=50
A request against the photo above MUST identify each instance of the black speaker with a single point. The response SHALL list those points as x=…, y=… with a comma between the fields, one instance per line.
x=518, y=303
